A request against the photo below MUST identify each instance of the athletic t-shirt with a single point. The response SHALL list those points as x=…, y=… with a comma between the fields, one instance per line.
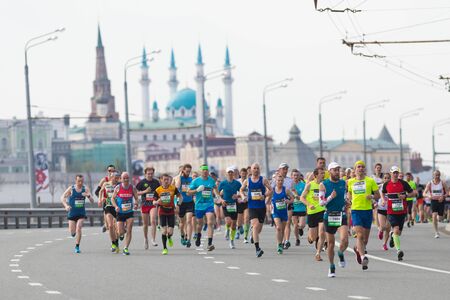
x=299, y=206
x=167, y=196
x=185, y=182
x=313, y=198
x=229, y=189
x=203, y=199
x=360, y=189
x=413, y=186
x=338, y=202
x=148, y=198
x=392, y=191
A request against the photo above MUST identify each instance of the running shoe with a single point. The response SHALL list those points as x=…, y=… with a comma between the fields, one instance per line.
x=341, y=259
x=391, y=240
x=358, y=256
x=77, y=249
x=385, y=248
x=154, y=244
x=436, y=235
x=121, y=237
x=287, y=244
x=114, y=248
x=400, y=255
x=205, y=227
x=280, y=249
x=195, y=236
x=251, y=240
x=245, y=241
x=183, y=242
x=232, y=245
x=188, y=244
x=300, y=231
x=297, y=242
x=317, y=257
x=197, y=241
x=259, y=252
x=241, y=230
x=158, y=227
x=211, y=248
x=170, y=242
x=365, y=263
x=125, y=251
x=380, y=234
x=237, y=236
x=332, y=271
x=165, y=252
x=408, y=224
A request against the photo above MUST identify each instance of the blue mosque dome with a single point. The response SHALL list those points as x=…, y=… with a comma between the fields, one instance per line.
x=183, y=98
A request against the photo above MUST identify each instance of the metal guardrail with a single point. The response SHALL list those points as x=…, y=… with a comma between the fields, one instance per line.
x=49, y=217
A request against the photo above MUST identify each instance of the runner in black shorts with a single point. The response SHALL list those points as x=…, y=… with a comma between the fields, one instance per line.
x=106, y=193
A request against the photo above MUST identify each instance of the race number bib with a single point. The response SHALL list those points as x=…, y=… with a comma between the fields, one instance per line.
x=165, y=198
x=334, y=218
x=436, y=193
x=126, y=207
x=206, y=193
x=316, y=194
x=184, y=188
x=257, y=195
x=359, y=188
x=149, y=199
x=231, y=207
x=280, y=204
x=397, y=205
x=79, y=203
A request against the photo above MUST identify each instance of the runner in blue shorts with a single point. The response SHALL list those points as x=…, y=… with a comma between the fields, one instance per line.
x=281, y=198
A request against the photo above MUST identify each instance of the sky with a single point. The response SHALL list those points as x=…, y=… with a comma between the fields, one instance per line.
x=268, y=41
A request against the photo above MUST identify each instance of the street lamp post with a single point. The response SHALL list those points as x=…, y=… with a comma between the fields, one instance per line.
x=374, y=105
x=270, y=87
x=128, y=64
x=323, y=100
x=409, y=114
x=437, y=124
x=31, y=171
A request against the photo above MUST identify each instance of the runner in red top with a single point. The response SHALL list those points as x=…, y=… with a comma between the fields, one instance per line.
x=395, y=193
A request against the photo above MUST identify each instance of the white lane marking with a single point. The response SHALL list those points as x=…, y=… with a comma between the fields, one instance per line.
x=31, y=248
x=53, y=292
x=69, y=237
x=23, y=277
x=219, y=262
x=59, y=239
x=280, y=280
x=359, y=297
x=202, y=253
x=84, y=235
x=35, y=284
x=38, y=245
x=233, y=268
x=10, y=233
x=15, y=259
x=401, y=263
x=16, y=271
x=13, y=265
x=48, y=242
x=252, y=273
x=208, y=257
x=24, y=251
x=18, y=255
x=313, y=288
x=199, y=249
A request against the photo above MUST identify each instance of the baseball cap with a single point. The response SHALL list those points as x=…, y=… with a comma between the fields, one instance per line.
x=333, y=165
x=283, y=165
x=230, y=169
x=394, y=169
x=360, y=162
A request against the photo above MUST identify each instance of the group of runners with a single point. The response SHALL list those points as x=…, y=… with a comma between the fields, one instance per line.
x=329, y=200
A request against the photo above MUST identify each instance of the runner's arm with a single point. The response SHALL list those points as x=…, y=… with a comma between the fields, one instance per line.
x=291, y=196
x=303, y=196
x=87, y=193
x=100, y=184
x=64, y=196
x=113, y=198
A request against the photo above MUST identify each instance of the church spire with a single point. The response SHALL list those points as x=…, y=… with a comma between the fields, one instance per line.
x=99, y=37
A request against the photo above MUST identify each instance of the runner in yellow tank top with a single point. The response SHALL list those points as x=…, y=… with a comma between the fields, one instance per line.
x=311, y=195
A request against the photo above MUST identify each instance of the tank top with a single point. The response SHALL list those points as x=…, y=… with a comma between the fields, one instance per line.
x=279, y=200
x=77, y=202
x=125, y=199
x=185, y=182
x=437, y=189
x=108, y=192
x=313, y=198
x=256, y=193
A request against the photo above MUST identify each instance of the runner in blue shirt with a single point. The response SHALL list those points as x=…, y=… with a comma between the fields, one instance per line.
x=281, y=199
x=299, y=213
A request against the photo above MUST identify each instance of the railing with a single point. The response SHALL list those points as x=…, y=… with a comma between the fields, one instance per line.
x=49, y=217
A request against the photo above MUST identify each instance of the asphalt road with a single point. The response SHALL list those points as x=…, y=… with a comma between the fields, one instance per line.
x=40, y=264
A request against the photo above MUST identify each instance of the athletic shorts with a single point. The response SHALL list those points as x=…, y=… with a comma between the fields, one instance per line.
x=257, y=213
x=299, y=213
x=333, y=229
x=362, y=218
x=146, y=209
x=438, y=207
x=283, y=216
x=76, y=218
x=232, y=215
x=199, y=214
x=110, y=210
x=241, y=207
x=185, y=207
x=167, y=220
x=124, y=217
x=410, y=206
x=315, y=219
x=420, y=201
x=382, y=212
x=397, y=220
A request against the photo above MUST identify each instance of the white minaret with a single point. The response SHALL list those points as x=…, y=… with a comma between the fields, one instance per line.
x=155, y=112
x=200, y=80
x=228, y=81
x=145, y=84
x=219, y=116
x=173, y=82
